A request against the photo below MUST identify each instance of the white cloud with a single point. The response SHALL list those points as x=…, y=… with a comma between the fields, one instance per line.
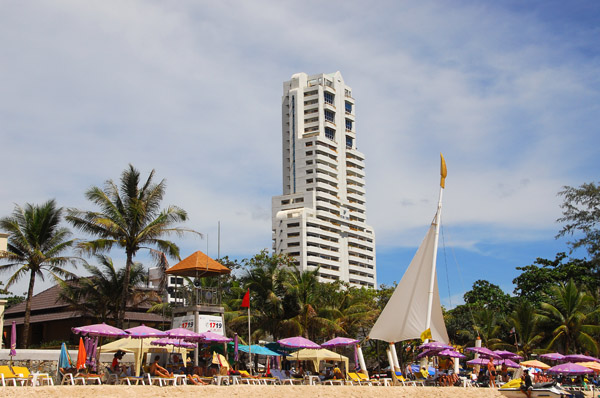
x=192, y=89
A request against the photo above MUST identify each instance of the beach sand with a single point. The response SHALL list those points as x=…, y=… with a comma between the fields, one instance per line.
x=245, y=391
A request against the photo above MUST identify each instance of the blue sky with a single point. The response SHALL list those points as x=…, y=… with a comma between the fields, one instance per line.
x=509, y=91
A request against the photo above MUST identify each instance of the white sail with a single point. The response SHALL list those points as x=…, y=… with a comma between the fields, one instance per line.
x=405, y=315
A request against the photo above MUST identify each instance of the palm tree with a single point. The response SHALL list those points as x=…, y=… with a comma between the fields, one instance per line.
x=88, y=295
x=566, y=310
x=129, y=217
x=264, y=277
x=525, y=322
x=35, y=245
x=303, y=288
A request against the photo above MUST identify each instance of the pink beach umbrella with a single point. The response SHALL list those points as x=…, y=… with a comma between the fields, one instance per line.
x=450, y=353
x=213, y=337
x=435, y=345
x=483, y=351
x=341, y=342
x=13, y=341
x=508, y=354
x=141, y=332
x=174, y=342
x=580, y=358
x=510, y=363
x=298, y=342
x=569, y=368
x=183, y=334
x=553, y=356
x=100, y=329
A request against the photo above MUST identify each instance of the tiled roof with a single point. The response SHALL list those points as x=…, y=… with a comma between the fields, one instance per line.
x=41, y=301
x=199, y=265
x=56, y=316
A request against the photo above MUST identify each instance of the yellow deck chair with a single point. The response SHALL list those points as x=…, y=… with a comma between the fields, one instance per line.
x=27, y=378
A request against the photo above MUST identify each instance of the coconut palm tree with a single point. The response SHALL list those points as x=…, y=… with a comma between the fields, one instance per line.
x=88, y=295
x=566, y=311
x=525, y=322
x=36, y=243
x=302, y=287
x=129, y=217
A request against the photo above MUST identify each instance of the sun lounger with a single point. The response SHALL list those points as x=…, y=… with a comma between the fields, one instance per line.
x=284, y=379
x=160, y=381
x=32, y=379
x=7, y=376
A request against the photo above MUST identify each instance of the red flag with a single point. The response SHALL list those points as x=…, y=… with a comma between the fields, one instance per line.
x=246, y=300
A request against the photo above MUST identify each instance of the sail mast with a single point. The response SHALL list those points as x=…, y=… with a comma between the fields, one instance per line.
x=438, y=219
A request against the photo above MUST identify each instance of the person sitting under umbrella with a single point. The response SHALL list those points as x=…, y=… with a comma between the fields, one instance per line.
x=157, y=370
x=116, y=366
x=337, y=373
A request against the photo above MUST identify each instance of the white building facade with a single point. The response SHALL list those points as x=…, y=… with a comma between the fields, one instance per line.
x=320, y=220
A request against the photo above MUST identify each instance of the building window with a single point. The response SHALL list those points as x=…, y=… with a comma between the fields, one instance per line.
x=309, y=181
x=309, y=171
x=348, y=107
x=348, y=125
x=308, y=153
x=329, y=116
x=330, y=133
x=308, y=143
x=308, y=162
x=349, y=142
x=328, y=97
x=176, y=281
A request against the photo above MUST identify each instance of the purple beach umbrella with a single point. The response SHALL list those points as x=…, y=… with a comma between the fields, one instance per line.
x=569, y=368
x=298, y=342
x=100, y=329
x=450, y=353
x=213, y=337
x=510, y=364
x=553, y=356
x=142, y=332
x=183, y=334
x=339, y=341
x=486, y=352
x=235, y=347
x=428, y=353
x=508, y=354
x=13, y=341
x=580, y=358
x=478, y=361
x=435, y=345
x=174, y=342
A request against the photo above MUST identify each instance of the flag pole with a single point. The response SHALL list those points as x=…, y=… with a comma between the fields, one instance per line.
x=249, y=342
x=437, y=221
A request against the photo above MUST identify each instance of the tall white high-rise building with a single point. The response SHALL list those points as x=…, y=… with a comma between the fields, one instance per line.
x=320, y=220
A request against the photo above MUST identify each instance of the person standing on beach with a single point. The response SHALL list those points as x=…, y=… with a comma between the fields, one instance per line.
x=492, y=372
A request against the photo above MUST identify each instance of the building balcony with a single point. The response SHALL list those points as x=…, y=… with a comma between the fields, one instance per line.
x=188, y=298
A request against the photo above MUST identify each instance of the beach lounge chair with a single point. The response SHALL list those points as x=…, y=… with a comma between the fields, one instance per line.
x=69, y=378
x=7, y=376
x=285, y=379
x=113, y=378
x=246, y=378
x=32, y=379
x=355, y=379
x=160, y=381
